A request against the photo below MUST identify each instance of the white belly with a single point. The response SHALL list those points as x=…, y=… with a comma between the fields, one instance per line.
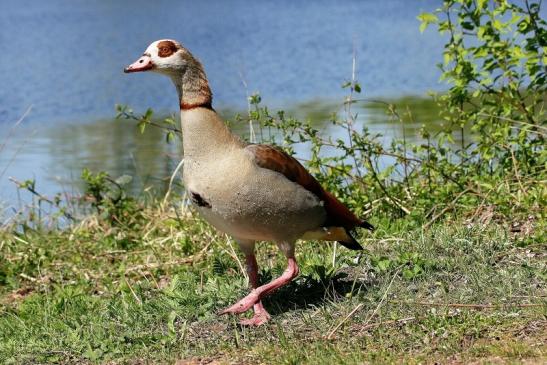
x=253, y=203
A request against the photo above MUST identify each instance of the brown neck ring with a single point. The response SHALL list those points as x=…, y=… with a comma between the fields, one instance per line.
x=189, y=106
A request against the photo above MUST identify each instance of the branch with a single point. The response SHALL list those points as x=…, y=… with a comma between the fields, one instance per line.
x=472, y=305
x=447, y=208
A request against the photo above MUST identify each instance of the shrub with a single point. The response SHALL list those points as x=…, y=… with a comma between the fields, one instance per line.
x=494, y=63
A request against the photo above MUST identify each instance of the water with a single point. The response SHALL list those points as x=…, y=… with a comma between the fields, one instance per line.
x=64, y=59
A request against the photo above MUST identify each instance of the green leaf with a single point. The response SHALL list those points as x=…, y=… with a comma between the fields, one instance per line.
x=426, y=19
x=124, y=179
x=142, y=126
x=447, y=57
x=148, y=114
x=498, y=25
x=171, y=323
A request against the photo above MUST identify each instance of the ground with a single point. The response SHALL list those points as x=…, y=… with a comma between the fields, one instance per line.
x=457, y=292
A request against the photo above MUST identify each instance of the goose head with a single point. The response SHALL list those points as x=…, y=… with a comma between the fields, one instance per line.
x=170, y=58
x=163, y=56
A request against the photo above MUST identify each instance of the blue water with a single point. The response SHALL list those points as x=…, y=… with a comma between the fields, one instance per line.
x=65, y=60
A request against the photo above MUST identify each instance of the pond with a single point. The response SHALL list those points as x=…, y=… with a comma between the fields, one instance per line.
x=64, y=60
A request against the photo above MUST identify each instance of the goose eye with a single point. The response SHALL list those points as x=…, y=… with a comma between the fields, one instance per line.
x=166, y=48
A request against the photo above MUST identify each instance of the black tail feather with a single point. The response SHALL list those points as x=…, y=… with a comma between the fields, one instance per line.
x=352, y=244
x=367, y=225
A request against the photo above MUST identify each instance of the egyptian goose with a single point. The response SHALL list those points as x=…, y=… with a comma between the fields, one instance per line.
x=253, y=192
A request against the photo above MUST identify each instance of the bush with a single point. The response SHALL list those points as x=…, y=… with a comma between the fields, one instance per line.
x=494, y=62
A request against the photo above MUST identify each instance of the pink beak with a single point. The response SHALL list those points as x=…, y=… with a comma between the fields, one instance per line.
x=142, y=64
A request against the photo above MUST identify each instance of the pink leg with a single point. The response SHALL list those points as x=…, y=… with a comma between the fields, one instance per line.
x=257, y=293
x=260, y=316
x=252, y=270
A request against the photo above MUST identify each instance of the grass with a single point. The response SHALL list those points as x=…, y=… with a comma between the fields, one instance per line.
x=458, y=292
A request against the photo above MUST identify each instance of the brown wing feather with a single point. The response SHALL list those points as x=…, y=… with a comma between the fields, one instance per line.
x=272, y=158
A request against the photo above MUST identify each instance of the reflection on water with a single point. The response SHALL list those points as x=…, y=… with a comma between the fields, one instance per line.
x=55, y=155
x=115, y=146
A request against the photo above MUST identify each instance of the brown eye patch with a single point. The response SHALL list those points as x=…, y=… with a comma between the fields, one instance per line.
x=166, y=48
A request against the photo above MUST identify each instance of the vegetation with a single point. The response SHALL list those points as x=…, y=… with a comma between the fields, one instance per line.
x=103, y=292
x=455, y=271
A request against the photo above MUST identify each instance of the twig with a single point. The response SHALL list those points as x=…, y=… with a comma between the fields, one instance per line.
x=186, y=260
x=130, y=115
x=21, y=185
x=379, y=151
x=516, y=170
x=349, y=116
x=331, y=333
x=447, y=208
x=398, y=203
x=394, y=321
x=334, y=253
x=360, y=305
x=512, y=120
x=384, y=296
x=471, y=305
x=236, y=258
x=180, y=164
x=15, y=126
x=252, y=135
x=528, y=296
x=139, y=301
x=19, y=148
x=29, y=278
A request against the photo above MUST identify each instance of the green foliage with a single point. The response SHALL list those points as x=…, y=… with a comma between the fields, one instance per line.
x=495, y=62
x=491, y=150
x=110, y=200
x=411, y=264
x=35, y=216
x=166, y=124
